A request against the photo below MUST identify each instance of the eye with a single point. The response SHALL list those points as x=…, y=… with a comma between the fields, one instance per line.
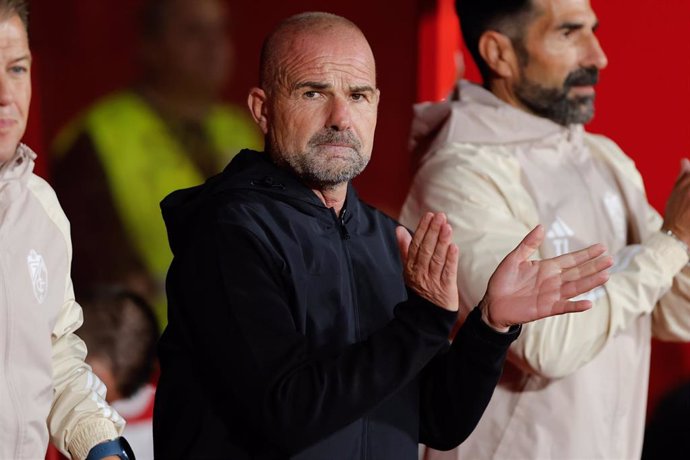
x=18, y=69
x=310, y=94
x=358, y=97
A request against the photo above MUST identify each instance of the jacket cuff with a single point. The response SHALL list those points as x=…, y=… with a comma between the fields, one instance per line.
x=425, y=316
x=89, y=433
x=671, y=252
x=475, y=326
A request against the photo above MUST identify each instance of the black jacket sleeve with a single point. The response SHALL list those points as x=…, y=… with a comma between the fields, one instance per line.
x=243, y=327
x=457, y=385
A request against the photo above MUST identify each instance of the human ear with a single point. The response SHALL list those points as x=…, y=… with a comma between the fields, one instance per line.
x=258, y=107
x=499, y=54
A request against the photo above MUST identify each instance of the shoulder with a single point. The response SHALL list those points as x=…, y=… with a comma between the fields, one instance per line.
x=122, y=108
x=459, y=164
x=606, y=149
x=45, y=195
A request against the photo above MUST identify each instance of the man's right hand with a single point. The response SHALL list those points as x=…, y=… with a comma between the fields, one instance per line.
x=430, y=260
x=677, y=215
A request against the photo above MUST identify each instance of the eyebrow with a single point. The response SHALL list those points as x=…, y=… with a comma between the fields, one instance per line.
x=570, y=26
x=576, y=25
x=321, y=86
x=361, y=89
x=26, y=57
x=312, y=84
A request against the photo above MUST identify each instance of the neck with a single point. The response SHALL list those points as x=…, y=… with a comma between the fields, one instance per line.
x=502, y=90
x=177, y=104
x=333, y=197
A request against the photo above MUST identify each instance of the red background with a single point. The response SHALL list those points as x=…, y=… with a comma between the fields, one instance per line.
x=84, y=49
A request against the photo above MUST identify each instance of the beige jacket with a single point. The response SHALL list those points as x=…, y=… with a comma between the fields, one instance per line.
x=575, y=385
x=46, y=390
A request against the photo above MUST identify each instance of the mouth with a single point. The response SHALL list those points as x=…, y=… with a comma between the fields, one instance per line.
x=338, y=148
x=583, y=90
x=6, y=123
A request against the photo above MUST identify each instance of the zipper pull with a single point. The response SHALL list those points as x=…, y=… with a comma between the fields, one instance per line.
x=343, y=229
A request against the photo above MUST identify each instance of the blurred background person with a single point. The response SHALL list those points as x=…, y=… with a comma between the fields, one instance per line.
x=47, y=392
x=116, y=161
x=120, y=331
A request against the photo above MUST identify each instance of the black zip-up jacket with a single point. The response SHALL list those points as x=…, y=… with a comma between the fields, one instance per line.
x=291, y=333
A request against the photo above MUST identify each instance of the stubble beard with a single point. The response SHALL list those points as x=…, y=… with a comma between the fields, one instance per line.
x=554, y=103
x=315, y=167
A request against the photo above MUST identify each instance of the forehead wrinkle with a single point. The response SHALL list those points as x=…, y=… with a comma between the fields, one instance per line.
x=334, y=48
x=326, y=70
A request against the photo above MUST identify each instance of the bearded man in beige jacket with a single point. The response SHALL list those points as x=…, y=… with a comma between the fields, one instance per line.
x=46, y=389
x=514, y=153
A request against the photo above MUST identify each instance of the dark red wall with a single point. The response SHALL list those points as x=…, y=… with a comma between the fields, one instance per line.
x=85, y=48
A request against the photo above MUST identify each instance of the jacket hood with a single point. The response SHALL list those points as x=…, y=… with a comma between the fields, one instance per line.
x=20, y=166
x=248, y=172
x=475, y=115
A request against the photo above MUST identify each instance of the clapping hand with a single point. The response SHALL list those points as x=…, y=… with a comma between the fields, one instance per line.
x=430, y=260
x=522, y=290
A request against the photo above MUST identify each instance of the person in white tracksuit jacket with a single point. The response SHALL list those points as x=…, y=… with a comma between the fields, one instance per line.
x=46, y=389
x=505, y=157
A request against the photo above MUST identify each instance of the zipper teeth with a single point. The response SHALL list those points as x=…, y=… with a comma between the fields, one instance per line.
x=345, y=235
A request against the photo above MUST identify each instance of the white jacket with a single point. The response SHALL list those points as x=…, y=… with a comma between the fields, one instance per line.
x=45, y=387
x=575, y=385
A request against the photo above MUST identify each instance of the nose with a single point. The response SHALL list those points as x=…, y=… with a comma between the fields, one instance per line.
x=595, y=56
x=6, y=94
x=339, y=116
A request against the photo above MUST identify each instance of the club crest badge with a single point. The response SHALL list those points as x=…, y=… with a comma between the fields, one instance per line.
x=39, y=275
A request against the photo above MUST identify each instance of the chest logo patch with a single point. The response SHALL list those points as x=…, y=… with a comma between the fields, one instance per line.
x=559, y=234
x=39, y=275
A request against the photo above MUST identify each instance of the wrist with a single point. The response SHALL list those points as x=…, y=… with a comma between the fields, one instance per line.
x=118, y=447
x=678, y=240
x=484, y=308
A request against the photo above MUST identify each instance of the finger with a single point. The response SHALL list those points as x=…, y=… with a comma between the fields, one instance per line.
x=573, y=259
x=438, y=257
x=417, y=238
x=588, y=268
x=683, y=174
x=575, y=288
x=404, y=239
x=684, y=166
x=562, y=307
x=573, y=306
x=449, y=276
x=427, y=246
x=528, y=245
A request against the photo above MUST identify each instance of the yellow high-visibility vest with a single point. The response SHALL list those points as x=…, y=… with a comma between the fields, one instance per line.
x=143, y=163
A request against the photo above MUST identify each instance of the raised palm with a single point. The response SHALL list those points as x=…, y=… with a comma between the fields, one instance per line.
x=522, y=290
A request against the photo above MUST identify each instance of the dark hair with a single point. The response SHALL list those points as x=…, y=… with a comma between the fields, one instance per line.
x=153, y=17
x=120, y=328
x=9, y=8
x=506, y=16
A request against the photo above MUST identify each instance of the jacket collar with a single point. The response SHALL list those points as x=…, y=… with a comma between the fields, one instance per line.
x=21, y=164
x=475, y=115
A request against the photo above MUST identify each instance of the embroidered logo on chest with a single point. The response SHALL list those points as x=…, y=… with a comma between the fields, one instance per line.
x=559, y=234
x=39, y=275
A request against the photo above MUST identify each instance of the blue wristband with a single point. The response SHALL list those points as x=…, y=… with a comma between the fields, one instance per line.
x=118, y=446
